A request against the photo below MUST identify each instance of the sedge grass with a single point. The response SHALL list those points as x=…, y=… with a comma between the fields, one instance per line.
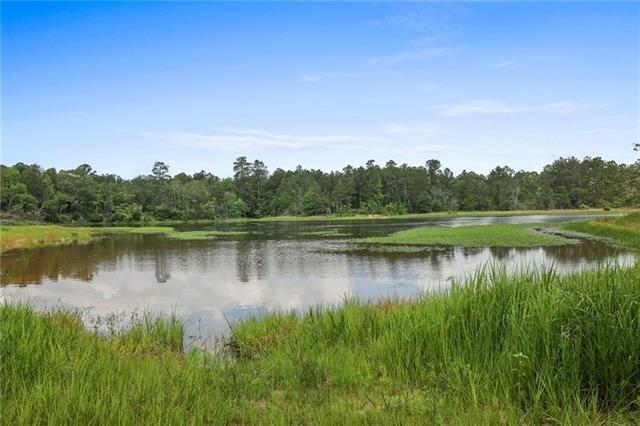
x=623, y=230
x=502, y=235
x=15, y=237
x=533, y=347
x=170, y=232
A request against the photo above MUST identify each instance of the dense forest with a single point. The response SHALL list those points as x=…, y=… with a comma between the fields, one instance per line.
x=81, y=194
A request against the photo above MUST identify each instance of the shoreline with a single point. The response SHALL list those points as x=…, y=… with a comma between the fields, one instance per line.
x=31, y=235
x=498, y=348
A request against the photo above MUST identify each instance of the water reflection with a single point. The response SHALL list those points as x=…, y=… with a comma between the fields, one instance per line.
x=275, y=266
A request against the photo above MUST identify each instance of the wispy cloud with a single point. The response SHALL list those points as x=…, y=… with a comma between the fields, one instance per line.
x=507, y=65
x=433, y=20
x=253, y=138
x=314, y=77
x=573, y=106
x=413, y=137
x=618, y=118
x=324, y=76
x=412, y=55
x=493, y=107
x=474, y=107
x=416, y=129
x=432, y=148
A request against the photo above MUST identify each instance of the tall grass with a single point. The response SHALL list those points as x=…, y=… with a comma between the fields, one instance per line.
x=533, y=347
x=623, y=230
x=16, y=237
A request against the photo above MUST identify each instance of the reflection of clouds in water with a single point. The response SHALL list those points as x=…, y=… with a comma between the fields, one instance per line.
x=211, y=281
x=185, y=294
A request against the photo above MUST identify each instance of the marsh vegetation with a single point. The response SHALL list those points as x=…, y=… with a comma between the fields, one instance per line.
x=533, y=347
x=503, y=235
x=506, y=344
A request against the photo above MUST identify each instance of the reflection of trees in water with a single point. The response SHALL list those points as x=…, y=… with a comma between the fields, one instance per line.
x=572, y=254
x=394, y=264
x=250, y=259
x=52, y=263
x=82, y=262
x=586, y=251
x=254, y=257
x=162, y=267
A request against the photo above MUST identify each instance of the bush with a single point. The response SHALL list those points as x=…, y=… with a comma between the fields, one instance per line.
x=127, y=213
x=95, y=217
x=395, y=209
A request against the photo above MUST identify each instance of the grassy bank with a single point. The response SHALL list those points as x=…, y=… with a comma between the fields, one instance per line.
x=15, y=237
x=623, y=230
x=34, y=236
x=534, y=348
x=503, y=235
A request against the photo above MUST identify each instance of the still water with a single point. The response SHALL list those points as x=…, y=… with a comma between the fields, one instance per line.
x=277, y=265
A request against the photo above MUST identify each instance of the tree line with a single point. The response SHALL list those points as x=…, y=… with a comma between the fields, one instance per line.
x=83, y=195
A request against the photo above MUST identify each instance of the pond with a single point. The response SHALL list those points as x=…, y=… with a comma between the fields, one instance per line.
x=274, y=265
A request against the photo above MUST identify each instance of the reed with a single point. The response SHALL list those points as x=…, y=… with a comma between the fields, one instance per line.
x=624, y=230
x=530, y=347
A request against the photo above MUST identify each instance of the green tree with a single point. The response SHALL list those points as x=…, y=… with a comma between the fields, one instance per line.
x=313, y=201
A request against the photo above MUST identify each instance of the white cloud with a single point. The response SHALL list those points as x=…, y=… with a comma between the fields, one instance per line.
x=392, y=137
x=253, y=138
x=432, y=52
x=507, y=64
x=432, y=148
x=433, y=20
x=618, y=118
x=324, y=76
x=572, y=106
x=492, y=107
x=417, y=129
x=314, y=77
x=474, y=107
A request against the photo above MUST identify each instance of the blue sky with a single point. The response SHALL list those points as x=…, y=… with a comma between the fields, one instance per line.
x=121, y=85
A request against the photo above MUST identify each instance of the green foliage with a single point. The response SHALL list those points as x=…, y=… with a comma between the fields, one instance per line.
x=313, y=202
x=395, y=209
x=532, y=348
x=127, y=213
x=82, y=195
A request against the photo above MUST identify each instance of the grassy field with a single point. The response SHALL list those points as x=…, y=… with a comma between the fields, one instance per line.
x=623, y=230
x=532, y=348
x=33, y=236
x=503, y=235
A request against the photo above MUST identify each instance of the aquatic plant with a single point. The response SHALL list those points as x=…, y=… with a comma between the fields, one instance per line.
x=534, y=347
